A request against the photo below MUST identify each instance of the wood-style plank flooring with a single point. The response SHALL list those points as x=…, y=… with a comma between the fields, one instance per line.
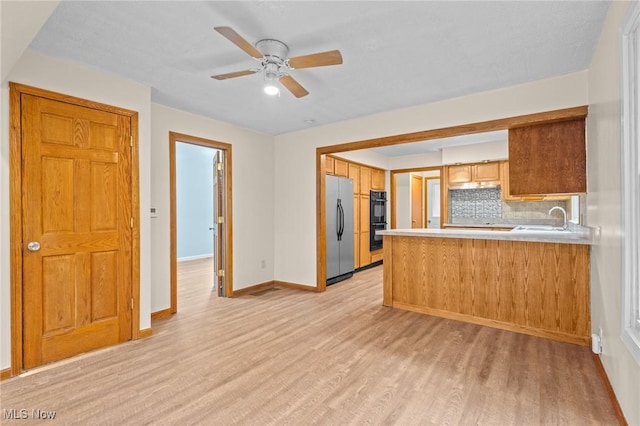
x=289, y=357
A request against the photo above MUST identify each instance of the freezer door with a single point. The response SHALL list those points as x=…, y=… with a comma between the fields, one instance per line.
x=346, y=242
x=332, y=215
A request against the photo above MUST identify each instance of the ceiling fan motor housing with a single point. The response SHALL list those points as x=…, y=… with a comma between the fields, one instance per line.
x=275, y=54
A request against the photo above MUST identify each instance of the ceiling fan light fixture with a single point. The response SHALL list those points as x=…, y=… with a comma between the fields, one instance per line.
x=271, y=89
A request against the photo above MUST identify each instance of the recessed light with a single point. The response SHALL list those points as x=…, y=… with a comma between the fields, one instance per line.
x=309, y=121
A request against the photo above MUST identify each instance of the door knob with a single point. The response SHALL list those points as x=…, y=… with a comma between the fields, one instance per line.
x=33, y=246
x=210, y=229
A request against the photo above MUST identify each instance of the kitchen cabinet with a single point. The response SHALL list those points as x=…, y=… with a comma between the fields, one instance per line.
x=377, y=180
x=460, y=173
x=340, y=168
x=480, y=172
x=356, y=231
x=328, y=165
x=354, y=173
x=365, y=180
x=486, y=172
x=548, y=158
x=507, y=196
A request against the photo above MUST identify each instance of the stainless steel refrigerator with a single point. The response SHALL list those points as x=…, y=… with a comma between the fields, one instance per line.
x=339, y=212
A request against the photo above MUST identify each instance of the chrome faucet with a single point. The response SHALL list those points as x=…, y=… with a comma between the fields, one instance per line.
x=564, y=215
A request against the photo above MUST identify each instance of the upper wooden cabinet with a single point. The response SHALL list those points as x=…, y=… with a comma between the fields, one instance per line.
x=328, y=165
x=486, y=172
x=354, y=173
x=480, y=172
x=459, y=173
x=548, y=158
x=377, y=180
x=365, y=180
x=340, y=168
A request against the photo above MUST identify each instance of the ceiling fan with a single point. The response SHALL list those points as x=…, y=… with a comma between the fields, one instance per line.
x=274, y=61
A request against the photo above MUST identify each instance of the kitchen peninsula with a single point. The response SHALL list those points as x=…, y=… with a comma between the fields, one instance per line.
x=532, y=282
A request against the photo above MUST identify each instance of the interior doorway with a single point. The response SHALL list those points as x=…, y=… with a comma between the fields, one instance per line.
x=201, y=223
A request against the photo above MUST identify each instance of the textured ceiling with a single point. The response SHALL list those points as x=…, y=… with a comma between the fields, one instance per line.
x=396, y=54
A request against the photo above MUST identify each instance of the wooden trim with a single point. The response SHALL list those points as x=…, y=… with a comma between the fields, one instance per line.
x=253, y=289
x=321, y=224
x=135, y=232
x=612, y=395
x=465, y=129
x=161, y=314
x=173, y=234
x=294, y=286
x=5, y=374
x=147, y=332
x=15, y=207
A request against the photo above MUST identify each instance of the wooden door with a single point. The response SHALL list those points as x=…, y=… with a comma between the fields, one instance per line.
x=416, y=201
x=77, y=229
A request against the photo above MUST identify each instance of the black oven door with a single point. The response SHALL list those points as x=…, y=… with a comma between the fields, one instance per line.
x=375, y=241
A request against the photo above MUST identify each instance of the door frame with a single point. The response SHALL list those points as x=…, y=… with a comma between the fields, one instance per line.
x=16, y=91
x=175, y=137
x=392, y=183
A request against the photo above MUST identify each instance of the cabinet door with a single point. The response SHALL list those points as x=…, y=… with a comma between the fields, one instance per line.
x=548, y=158
x=354, y=173
x=328, y=165
x=486, y=172
x=377, y=180
x=340, y=168
x=365, y=255
x=365, y=180
x=459, y=174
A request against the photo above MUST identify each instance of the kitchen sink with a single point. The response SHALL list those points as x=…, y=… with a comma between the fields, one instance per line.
x=539, y=228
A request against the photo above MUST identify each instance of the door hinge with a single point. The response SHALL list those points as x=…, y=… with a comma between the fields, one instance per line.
x=220, y=219
x=219, y=166
x=131, y=222
x=221, y=272
x=132, y=303
x=131, y=140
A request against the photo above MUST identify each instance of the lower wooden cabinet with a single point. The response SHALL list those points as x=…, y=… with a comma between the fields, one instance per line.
x=376, y=256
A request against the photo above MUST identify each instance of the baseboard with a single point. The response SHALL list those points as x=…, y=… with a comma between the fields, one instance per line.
x=147, y=332
x=263, y=286
x=253, y=289
x=5, y=374
x=612, y=395
x=198, y=257
x=295, y=286
x=161, y=314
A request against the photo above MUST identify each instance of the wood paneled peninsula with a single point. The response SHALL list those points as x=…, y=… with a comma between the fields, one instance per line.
x=532, y=282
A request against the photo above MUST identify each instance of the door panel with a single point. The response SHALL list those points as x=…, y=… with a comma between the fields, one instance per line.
x=219, y=208
x=77, y=205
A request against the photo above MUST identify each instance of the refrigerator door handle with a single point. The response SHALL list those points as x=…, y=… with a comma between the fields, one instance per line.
x=340, y=220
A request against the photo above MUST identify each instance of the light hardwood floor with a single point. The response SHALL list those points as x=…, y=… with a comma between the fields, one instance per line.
x=339, y=357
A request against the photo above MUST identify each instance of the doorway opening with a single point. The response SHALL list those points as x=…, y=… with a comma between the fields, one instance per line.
x=200, y=215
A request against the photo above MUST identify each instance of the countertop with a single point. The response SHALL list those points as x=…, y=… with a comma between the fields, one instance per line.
x=576, y=235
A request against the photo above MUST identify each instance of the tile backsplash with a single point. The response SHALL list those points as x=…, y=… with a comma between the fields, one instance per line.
x=481, y=203
x=478, y=205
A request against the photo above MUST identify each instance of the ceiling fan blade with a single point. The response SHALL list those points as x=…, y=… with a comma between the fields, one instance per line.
x=293, y=86
x=331, y=57
x=232, y=74
x=237, y=39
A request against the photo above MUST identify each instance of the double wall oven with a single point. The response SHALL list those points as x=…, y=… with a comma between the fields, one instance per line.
x=378, y=218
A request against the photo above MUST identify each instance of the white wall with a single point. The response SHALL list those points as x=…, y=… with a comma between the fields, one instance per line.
x=603, y=210
x=428, y=159
x=489, y=151
x=37, y=70
x=252, y=198
x=295, y=195
x=403, y=201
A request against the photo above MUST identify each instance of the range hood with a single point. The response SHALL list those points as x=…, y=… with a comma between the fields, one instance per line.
x=474, y=185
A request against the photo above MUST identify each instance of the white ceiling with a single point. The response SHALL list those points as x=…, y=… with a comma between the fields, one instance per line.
x=396, y=53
